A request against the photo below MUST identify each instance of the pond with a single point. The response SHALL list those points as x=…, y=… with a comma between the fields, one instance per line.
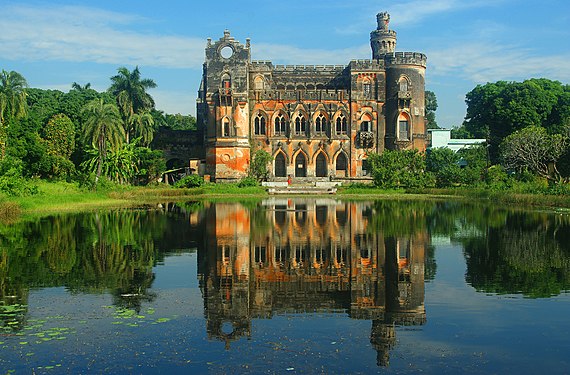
x=288, y=286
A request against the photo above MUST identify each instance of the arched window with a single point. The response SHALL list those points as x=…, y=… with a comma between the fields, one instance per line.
x=259, y=125
x=403, y=84
x=258, y=83
x=341, y=162
x=226, y=127
x=300, y=125
x=280, y=125
x=366, y=123
x=226, y=82
x=341, y=124
x=367, y=89
x=403, y=127
x=321, y=125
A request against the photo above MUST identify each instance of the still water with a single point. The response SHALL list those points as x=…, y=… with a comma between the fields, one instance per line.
x=287, y=286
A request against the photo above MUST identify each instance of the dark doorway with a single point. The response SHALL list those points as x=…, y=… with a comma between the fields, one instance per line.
x=300, y=165
x=280, y=168
x=341, y=165
x=321, y=165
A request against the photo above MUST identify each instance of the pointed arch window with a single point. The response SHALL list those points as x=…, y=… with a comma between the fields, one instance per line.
x=300, y=125
x=280, y=125
x=341, y=125
x=259, y=125
x=321, y=125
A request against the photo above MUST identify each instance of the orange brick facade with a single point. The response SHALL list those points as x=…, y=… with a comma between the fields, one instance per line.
x=317, y=122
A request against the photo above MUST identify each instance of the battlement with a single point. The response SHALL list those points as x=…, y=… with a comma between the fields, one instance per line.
x=310, y=68
x=385, y=33
x=367, y=65
x=406, y=58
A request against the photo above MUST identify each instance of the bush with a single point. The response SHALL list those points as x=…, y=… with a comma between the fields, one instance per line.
x=400, y=169
x=248, y=181
x=190, y=181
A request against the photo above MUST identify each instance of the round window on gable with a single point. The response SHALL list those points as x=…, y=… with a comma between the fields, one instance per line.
x=226, y=52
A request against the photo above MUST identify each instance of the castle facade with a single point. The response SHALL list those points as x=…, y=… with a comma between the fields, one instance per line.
x=317, y=122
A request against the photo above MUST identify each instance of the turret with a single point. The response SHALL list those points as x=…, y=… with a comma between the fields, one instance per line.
x=382, y=40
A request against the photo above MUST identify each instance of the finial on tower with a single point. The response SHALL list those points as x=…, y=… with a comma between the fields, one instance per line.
x=383, y=20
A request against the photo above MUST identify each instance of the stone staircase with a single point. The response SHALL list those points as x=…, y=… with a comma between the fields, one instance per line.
x=302, y=188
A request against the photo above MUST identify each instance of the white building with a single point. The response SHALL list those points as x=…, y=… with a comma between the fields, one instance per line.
x=442, y=138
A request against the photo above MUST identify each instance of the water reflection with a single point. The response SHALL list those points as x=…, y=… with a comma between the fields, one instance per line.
x=309, y=256
x=366, y=260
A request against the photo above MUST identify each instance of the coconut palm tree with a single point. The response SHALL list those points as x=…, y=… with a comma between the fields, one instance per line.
x=12, y=102
x=12, y=95
x=78, y=87
x=102, y=128
x=130, y=91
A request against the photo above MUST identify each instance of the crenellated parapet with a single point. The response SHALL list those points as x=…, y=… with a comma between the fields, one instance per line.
x=367, y=65
x=406, y=58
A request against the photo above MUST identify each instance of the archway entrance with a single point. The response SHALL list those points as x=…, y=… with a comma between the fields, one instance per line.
x=280, y=168
x=300, y=165
x=321, y=165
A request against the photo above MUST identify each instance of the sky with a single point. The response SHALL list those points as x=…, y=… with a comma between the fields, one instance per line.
x=467, y=42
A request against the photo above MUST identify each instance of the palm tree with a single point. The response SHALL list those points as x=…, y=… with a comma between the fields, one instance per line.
x=130, y=91
x=102, y=128
x=78, y=87
x=142, y=125
x=12, y=102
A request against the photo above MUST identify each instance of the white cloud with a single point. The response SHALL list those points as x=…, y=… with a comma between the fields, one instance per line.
x=80, y=34
x=484, y=62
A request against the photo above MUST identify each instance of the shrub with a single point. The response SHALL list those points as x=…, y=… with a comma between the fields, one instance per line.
x=190, y=181
x=248, y=181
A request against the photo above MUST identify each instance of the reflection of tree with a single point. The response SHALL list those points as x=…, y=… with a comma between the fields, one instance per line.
x=100, y=252
x=529, y=254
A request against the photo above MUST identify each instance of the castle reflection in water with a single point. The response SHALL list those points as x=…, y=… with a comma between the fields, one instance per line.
x=313, y=255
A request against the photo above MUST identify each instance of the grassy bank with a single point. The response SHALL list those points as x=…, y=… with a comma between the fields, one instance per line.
x=65, y=197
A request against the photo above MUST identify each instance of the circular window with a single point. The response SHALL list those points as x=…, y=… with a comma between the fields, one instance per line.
x=226, y=52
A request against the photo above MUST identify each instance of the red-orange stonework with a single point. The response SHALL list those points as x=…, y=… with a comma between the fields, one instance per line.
x=317, y=122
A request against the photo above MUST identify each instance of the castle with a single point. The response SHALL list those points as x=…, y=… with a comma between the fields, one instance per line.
x=317, y=122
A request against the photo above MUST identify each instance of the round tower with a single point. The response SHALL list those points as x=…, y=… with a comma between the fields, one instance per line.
x=382, y=40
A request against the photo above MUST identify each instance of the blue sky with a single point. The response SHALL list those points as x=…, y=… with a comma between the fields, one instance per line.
x=55, y=43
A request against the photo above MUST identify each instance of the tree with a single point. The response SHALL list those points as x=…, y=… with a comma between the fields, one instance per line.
x=141, y=125
x=12, y=102
x=130, y=92
x=259, y=162
x=444, y=164
x=431, y=107
x=102, y=129
x=78, y=87
x=533, y=149
x=59, y=136
x=400, y=169
x=495, y=110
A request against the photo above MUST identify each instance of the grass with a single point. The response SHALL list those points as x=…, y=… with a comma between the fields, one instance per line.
x=68, y=197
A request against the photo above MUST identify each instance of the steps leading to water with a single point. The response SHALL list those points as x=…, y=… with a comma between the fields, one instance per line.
x=307, y=188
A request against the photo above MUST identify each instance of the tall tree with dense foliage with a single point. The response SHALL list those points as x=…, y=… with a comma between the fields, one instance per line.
x=533, y=149
x=12, y=102
x=130, y=90
x=102, y=129
x=495, y=110
x=431, y=107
